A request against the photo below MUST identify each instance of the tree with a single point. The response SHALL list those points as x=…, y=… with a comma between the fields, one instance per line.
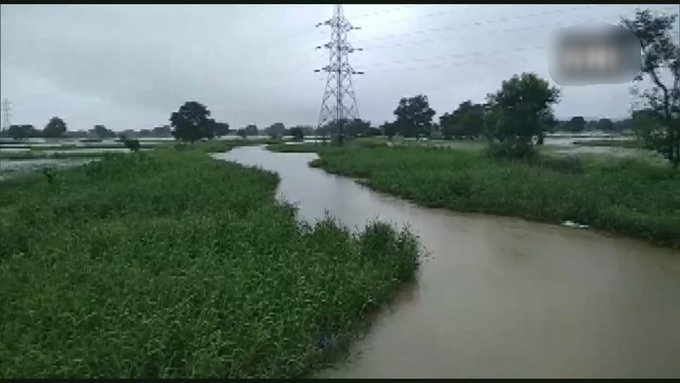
x=241, y=133
x=389, y=129
x=101, y=132
x=162, y=131
x=357, y=128
x=297, y=133
x=576, y=124
x=657, y=36
x=221, y=129
x=414, y=116
x=131, y=143
x=275, y=130
x=192, y=122
x=520, y=110
x=373, y=132
x=20, y=132
x=605, y=125
x=251, y=130
x=55, y=128
x=466, y=121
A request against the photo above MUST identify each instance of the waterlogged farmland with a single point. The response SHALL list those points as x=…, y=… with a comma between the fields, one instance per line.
x=172, y=264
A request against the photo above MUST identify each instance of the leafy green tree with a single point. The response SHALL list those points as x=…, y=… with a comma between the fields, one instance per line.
x=389, y=129
x=357, y=128
x=373, y=132
x=162, y=131
x=55, y=128
x=605, y=125
x=275, y=130
x=251, y=130
x=297, y=133
x=520, y=110
x=466, y=121
x=221, y=129
x=131, y=143
x=20, y=132
x=414, y=116
x=576, y=124
x=657, y=35
x=192, y=122
x=102, y=132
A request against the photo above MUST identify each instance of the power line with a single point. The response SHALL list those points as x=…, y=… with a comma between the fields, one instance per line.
x=463, y=55
x=477, y=23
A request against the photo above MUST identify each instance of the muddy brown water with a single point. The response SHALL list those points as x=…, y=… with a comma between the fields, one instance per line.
x=497, y=296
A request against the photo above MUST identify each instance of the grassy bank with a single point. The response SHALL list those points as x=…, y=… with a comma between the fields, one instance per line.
x=621, y=196
x=171, y=264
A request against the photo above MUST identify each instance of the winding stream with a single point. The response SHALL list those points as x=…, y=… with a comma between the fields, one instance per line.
x=500, y=297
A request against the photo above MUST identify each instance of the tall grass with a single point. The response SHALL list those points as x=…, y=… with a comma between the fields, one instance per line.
x=171, y=264
x=623, y=196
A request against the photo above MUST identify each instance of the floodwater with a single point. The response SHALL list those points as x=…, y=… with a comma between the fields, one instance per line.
x=501, y=297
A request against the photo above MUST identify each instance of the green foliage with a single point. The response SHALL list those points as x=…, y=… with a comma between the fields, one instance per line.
x=192, y=122
x=20, y=132
x=297, y=133
x=389, y=129
x=171, y=264
x=101, y=132
x=131, y=144
x=658, y=36
x=350, y=128
x=55, y=128
x=276, y=130
x=605, y=125
x=250, y=130
x=520, y=110
x=221, y=129
x=166, y=131
x=414, y=117
x=510, y=149
x=576, y=124
x=620, y=196
x=467, y=121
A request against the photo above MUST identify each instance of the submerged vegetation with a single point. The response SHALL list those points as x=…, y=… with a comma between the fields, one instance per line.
x=171, y=264
x=622, y=196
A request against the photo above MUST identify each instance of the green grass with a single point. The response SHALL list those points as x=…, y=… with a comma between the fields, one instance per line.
x=172, y=264
x=624, y=196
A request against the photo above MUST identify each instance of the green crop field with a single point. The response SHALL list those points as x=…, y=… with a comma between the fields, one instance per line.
x=172, y=264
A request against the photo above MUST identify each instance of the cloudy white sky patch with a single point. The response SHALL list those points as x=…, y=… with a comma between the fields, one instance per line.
x=130, y=66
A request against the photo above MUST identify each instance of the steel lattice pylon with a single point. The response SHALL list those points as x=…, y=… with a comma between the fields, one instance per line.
x=339, y=101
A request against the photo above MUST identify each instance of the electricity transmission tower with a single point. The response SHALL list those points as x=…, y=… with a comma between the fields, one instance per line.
x=339, y=102
x=6, y=114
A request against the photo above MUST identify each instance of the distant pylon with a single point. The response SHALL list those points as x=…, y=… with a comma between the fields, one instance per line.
x=6, y=114
x=339, y=101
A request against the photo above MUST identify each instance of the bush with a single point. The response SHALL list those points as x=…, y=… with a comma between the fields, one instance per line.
x=511, y=150
x=131, y=144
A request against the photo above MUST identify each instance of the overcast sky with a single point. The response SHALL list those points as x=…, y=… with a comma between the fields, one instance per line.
x=130, y=66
